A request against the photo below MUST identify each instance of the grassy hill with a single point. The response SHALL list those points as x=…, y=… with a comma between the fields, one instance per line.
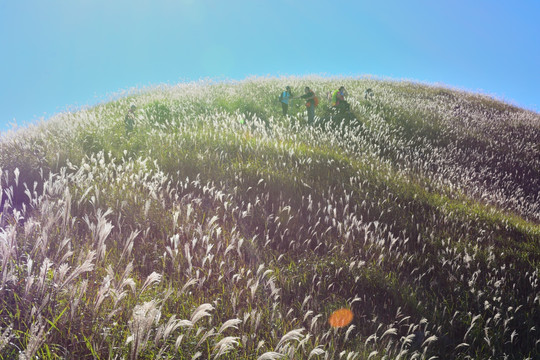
x=220, y=229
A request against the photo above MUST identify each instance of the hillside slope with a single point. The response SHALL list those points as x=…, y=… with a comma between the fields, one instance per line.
x=218, y=228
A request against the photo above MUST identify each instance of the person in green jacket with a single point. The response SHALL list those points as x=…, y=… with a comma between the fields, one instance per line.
x=338, y=99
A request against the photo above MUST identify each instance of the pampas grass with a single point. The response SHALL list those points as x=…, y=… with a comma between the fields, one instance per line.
x=218, y=229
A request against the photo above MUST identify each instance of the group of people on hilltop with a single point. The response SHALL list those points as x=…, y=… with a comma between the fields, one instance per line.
x=337, y=98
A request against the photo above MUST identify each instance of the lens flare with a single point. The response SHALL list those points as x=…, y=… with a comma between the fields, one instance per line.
x=341, y=318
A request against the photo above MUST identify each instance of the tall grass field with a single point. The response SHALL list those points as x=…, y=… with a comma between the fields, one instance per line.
x=406, y=228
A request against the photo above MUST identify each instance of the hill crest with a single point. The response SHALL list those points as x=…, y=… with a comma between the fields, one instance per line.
x=217, y=226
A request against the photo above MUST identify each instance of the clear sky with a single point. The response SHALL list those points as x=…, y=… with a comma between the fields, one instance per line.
x=63, y=54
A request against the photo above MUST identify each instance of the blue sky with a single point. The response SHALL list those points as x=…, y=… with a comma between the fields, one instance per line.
x=57, y=55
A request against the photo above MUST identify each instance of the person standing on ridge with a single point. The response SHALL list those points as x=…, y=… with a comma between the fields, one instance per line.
x=311, y=102
x=284, y=98
x=129, y=120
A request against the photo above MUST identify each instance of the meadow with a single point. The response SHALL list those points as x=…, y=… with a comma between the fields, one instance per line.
x=219, y=229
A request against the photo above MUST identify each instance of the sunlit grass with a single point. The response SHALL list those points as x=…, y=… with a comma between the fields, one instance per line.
x=219, y=229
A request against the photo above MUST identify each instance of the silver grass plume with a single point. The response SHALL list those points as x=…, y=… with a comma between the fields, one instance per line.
x=86, y=266
x=153, y=278
x=316, y=352
x=293, y=335
x=232, y=323
x=37, y=339
x=144, y=316
x=202, y=311
x=6, y=336
x=225, y=345
x=271, y=355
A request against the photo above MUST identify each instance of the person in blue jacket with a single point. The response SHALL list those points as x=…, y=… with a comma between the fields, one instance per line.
x=284, y=98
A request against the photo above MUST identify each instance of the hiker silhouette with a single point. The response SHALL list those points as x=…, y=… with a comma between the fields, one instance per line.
x=129, y=120
x=338, y=100
x=311, y=102
x=284, y=98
